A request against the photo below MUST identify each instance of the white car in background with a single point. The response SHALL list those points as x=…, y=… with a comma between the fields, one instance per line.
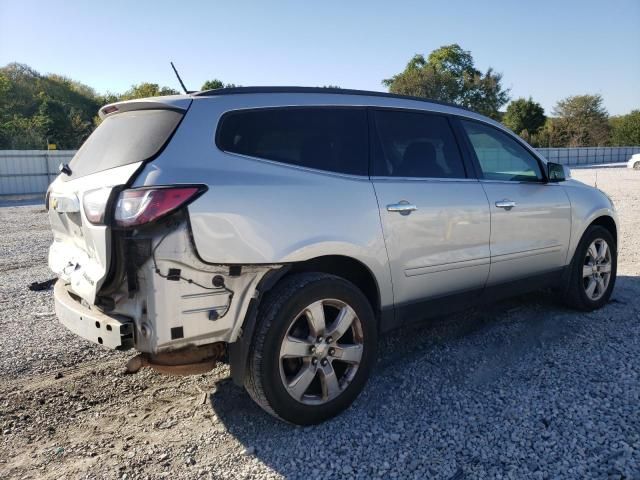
x=634, y=162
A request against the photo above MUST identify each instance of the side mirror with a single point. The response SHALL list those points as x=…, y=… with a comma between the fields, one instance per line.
x=557, y=172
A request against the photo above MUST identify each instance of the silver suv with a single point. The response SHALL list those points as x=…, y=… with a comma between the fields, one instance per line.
x=282, y=230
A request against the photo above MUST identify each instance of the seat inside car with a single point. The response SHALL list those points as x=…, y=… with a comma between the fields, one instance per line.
x=420, y=160
x=317, y=150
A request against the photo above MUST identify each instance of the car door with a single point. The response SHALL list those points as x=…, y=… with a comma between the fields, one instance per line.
x=435, y=218
x=530, y=217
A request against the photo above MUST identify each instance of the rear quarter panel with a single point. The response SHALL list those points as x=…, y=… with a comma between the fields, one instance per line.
x=261, y=212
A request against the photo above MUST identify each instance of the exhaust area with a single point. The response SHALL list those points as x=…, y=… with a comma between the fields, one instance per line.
x=190, y=361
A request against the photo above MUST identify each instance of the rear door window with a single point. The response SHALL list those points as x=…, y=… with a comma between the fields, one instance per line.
x=415, y=144
x=124, y=138
x=331, y=139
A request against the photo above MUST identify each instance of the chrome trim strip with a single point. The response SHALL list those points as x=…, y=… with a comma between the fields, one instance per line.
x=526, y=253
x=443, y=267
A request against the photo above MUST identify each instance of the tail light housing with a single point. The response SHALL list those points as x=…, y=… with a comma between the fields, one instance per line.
x=139, y=206
x=94, y=203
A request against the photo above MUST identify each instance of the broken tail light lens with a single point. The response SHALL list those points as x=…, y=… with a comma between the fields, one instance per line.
x=94, y=203
x=139, y=206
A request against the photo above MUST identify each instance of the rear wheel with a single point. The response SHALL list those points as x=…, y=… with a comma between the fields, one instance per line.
x=636, y=166
x=593, y=270
x=314, y=347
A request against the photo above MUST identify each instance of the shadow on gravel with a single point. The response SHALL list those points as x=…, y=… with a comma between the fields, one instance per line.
x=506, y=351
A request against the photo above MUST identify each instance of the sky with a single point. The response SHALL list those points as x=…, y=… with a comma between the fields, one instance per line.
x=545, y=49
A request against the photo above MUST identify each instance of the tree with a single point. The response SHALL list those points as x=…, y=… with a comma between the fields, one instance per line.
x=449, y=74
x=625, y=129
x=145, y=89
x=524, y=117
x=582, y=121
x=38, y=109
x=215, y=84
x=212, y=84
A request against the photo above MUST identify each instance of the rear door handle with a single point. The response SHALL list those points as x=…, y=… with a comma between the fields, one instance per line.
x=403, y=207
x=506, y=204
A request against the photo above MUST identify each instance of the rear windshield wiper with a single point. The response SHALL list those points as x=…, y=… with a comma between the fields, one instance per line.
x=64, y=168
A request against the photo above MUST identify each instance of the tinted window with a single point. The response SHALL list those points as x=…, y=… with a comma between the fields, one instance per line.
x=500, y=156
x=333, y=139
x=124, y=138
x=414, y=144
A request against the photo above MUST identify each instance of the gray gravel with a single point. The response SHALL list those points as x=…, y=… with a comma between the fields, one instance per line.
x=524, y=389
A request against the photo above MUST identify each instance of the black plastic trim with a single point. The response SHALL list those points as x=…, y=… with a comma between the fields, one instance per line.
x=239, y=350
x=423, y=310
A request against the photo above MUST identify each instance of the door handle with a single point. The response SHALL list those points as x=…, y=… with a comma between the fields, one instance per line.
x=403, y=207
x=506, y=204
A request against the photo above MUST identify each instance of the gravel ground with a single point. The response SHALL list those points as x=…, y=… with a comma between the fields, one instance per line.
x=524, y=389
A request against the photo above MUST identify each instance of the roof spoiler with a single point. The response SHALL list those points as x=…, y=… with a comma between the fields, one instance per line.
x=174, y=102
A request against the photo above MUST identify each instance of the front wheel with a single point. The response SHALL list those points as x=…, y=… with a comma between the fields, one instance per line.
x=593, y=270
x=314, y=347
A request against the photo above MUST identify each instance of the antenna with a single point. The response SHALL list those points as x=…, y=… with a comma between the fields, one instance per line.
x=179, y=79
x=595, y=185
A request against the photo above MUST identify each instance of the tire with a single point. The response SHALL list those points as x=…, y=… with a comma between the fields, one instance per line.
x=577, y=290
x=289, y=315
x=636, y=166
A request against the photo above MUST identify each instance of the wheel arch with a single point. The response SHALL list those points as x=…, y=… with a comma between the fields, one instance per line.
x=342, y=266
x=607, y=222
x=348, y=268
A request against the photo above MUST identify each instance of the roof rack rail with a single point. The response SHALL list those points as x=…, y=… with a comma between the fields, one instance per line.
x=340, y=91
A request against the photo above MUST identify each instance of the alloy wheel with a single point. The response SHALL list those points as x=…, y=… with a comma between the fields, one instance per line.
x=321, y=351
x=596, y=271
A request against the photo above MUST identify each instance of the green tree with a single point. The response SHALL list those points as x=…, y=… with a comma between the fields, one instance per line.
x=215, y=84
x=145, y=89
x=36, y=109
x=625, y=129
x=524, y=116
x=212, y=84
x=449, y=74
x=581, y=121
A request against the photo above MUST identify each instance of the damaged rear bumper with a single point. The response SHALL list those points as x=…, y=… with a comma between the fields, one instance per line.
x=111, y=331
x=166, y=299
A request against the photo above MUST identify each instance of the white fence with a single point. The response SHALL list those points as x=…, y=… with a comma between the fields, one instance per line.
x=24, y=172
x=588, y=155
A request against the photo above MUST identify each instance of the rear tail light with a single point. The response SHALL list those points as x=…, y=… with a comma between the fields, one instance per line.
x=94, y=203
x=136, y=207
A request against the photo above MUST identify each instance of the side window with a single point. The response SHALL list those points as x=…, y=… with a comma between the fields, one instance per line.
x=501, y=157
x=333, y=139
x=413, y=144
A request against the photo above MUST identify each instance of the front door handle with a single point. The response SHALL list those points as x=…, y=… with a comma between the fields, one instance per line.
x=403, y=207
x=506, y=204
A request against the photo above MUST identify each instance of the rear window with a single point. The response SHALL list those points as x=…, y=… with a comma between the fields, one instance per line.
x=124, y=138
x=332, y=139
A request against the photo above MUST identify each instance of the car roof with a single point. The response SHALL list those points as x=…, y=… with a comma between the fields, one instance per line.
x=326, y=90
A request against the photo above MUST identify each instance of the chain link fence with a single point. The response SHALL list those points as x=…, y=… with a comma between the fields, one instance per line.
x=588, y=155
